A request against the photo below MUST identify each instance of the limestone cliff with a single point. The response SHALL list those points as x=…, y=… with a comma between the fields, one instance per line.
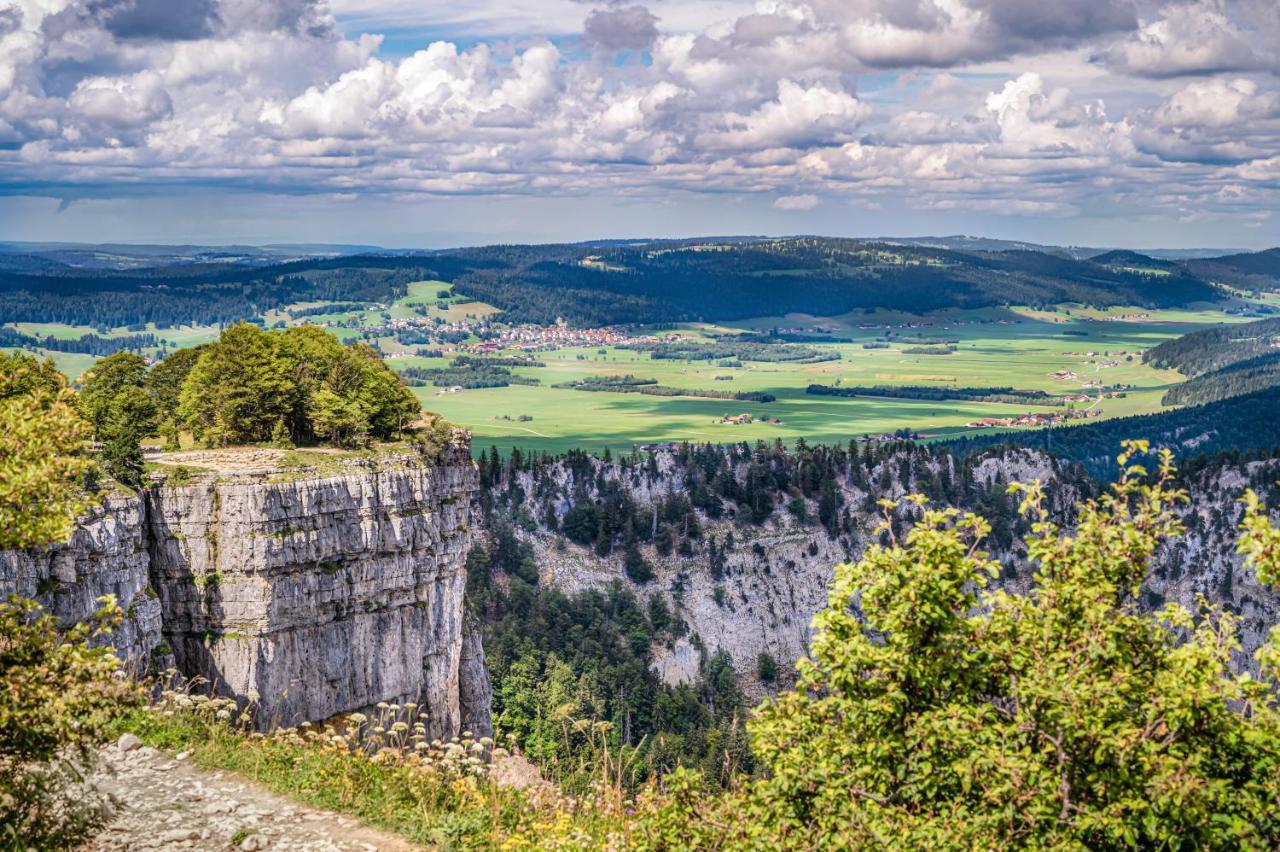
x=750, y=586
x=105, y=555
x=307, y=592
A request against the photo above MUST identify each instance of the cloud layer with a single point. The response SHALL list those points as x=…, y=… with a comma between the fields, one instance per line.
x=1067, y=109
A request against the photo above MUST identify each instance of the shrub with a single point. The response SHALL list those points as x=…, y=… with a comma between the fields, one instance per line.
x=43, y=462
x=57, y=693
x=953, y=717
x=767, y=667
x=637, y=567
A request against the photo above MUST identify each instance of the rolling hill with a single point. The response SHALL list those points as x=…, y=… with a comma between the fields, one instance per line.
x=610, y=282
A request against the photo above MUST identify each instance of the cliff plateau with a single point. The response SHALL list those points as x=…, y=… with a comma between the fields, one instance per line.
x=306, y=592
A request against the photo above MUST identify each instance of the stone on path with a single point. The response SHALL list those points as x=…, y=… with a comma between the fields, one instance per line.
x=164, y=803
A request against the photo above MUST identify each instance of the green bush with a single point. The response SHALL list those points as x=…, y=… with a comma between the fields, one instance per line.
x=57, y=695
x=950, y=717
x=43, y=462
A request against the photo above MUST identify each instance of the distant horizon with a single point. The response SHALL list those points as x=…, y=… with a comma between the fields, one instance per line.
x=357, y=247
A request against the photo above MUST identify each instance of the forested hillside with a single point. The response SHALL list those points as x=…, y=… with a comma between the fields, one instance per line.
x=1247, y=422
x=821, y=276
x=610, y=283
x=1242, y=377
x=1221, y=362
x=1248, y=271
x=1214, y=348
x=210, y=293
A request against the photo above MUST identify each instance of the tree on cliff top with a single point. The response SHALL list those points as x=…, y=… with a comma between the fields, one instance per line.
x=241, y=388
x=115, y=400
x=43, y=456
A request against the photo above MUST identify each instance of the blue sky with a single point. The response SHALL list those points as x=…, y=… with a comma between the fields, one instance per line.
x=400, y=123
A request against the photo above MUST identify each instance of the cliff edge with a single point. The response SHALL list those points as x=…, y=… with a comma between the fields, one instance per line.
x=308, y=590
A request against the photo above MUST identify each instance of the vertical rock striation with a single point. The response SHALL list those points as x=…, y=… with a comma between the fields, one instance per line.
x=105, y=555
x=307, y=593
x=313, y=596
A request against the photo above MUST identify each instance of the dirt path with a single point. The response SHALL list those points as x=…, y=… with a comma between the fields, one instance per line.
x=167, y=803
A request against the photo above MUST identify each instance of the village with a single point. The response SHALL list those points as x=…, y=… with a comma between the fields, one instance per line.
x=745, y=419
x=1031, y=420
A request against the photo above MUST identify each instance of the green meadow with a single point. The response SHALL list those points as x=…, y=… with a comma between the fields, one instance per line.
x=1014, y=348
x=1018, y=347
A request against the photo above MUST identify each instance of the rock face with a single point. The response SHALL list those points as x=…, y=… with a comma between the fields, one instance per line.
x=475, y=693
x=1203, y=561
x=308, y=595
x=106, y=555
x=772, y=577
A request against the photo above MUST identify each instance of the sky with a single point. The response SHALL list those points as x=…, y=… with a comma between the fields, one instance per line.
x=414, y=123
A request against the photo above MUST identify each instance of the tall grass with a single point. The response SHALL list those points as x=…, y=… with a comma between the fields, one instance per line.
x=385, y=771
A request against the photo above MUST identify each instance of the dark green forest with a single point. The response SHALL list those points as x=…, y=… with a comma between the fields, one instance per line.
x=1248, y=271
x=1011, y=395
x=1221, y=362
x=689, y=281
x=1211, y=349
x=203, y=293
x=1248, y=422
x=652, y=282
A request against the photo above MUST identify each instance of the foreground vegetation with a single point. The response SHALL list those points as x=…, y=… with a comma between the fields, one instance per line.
x=43, y=458
x=937, y=714
x=60, y=690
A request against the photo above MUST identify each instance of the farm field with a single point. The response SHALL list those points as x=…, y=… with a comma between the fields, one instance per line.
x=1020, y=348
x=995, y=348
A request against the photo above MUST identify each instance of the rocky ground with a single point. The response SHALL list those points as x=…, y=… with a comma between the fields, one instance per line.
x=166, y=803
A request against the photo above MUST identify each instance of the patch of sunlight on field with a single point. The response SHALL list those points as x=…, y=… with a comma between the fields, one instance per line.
x=70, y=364
x=993, y=348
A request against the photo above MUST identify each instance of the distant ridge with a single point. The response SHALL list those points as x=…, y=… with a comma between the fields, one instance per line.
x=611, y=282
x=961, y=242
x=126, y=256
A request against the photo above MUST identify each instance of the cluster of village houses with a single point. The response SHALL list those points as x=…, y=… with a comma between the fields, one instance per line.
x=539, y=338
x=1033, y=419
x=743, y=419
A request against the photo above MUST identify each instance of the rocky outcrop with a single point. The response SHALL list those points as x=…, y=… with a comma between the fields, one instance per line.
x=475, y=693
x=307, y=593
x=315, y=596
x=1203, y=562
x=105, y=555
x=771, y=577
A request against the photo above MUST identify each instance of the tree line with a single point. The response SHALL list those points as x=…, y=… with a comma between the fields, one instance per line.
x=85, y=344
x=1011, y=395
